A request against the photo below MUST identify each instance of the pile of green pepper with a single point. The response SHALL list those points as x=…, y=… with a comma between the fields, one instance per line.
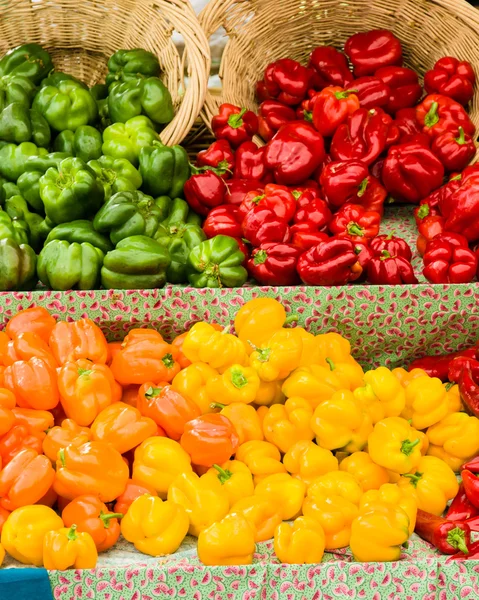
x=89, y=195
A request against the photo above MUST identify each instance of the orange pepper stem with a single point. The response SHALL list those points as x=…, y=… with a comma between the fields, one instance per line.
x=71, y=534
x=414, y=477
x=407, y=446
x=223, y=474
x=238, y=378
x=217, y=405
x=105, y=517
x=331, y=364
x=168, y=361
x=151, y=392
x=84, y=372
x=61, y=454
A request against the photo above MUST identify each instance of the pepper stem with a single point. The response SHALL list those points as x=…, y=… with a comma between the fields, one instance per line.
x=308, y=116
x=106, y=517
x=260, y=257
x=84, y=372
x=297, y=194
x=414, y=477
x=449, y=385
x=363, y=187
x=217, y=405
x=151, y=392
x=223, y=474
x=456, y=539
x=384, y=255
x=71, y=533
x=344, y=94
x=423, y=211
x=432, y=117
x=238, y=378
x=235, y=120
x=331, y=364
x=355, y=229
x=168, y=361
x=290, y=319
x=407, y=446
x=257, y=199
x=461, y=140
x=61, y=454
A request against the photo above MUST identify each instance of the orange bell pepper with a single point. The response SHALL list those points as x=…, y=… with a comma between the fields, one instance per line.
x=4, y=339
x=36, y=419
x=181, y=358
x=36, y=320
x=123, y=427
x=7, y=398
x=130, y=395
x=18, y=438
x=3, y=517
x=86, y=389
x=78, y=339
x=25, y=480
x=59, y=437
x=93, y=468
x=134, y=489
x=28, y=345
x=113, y=348
x=92, y=516
x=168, y=408
x=210, y=439
x=245, y=419
x=34, y=384
x=145, y=356
x=48, y=499
x=7, y=419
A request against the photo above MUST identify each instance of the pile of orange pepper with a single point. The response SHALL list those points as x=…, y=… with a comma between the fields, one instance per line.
x=271, y=432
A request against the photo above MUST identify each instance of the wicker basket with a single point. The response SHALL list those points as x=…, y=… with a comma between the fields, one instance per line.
x=260, y=31
x=82, y=34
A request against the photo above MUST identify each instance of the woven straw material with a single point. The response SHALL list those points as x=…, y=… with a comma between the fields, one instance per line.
x=82, y=34
x=261, y=31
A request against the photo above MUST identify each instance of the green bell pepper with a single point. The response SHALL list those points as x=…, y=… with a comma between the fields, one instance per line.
x=16, y=89
x=13, y=158
x=126, y=214
x=180, y=232
x=71, y=191
x=216, y=263
x=33, y=224
x=104, y=120
x=10, y=189
x=116, y=175
x=80, y=231
x=65, y=266
x=66, y=106
x=125, y=65
x=99, y=91
x=125, y=140
x=21, y=124
x=13, y=229
x=29, y=60
x=138, y=262
x=148, y=97
x=85, y=142
x=17, y=266
x=57, y=77
x=164, y=169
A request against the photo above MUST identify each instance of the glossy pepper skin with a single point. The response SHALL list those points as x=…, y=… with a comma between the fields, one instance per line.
x=396, y=246
x=371, y=91
x=385, y=269
x=391, y=493
x=274, y=264
x=29, y=60
x=441, y=366
x=404, y=86
x=140, y=96
x=454, y=150
x=299, y=543
x=218, y=348
x=19, y=123
x=369, y=475
x=116, y=175
x=67, y=548
x=284, y=80
x=34, y=383
x=285, y=490
x=125, y=65
x=382, y=395
x=277, y=198
x=164, y=169
x=306, y=461
x=76, y=340
x=84, y=143
x=125, y=140
x=462, y=208
x=294, y=154
x=447, y=536
x=314, y=383
x=209, y=439
x=216, y=263
x=271, y=116
x=205, y=190
x=234, y=124
x=372, y=50
x=343, y=181
x=235, y=478
x=262, y=225
x=445, y=263
x=236, y=384
x=332, y=107
x=67, y=266
x=79, y=232
x=353, y=222
x=454, y=439
x=395, y=445
x=191, y=383
x=427, y=402
x=279, y=356
x=331, y=67
x=245, y=419
x=262, y=458
x=469, y=389
x=227, y=542
x=453, y=78
x=410, y=130
x=285, y=425
x=333, y=262
x=19, y=437
x=134, y=489
x=18, y=262
x=61, y=436
x=218, y=155
x=223, y=220
x=438, y=113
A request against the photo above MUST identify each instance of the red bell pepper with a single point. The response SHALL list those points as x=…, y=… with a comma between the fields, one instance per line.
x=459, y=361
x=262, y=225
x=463, y=209
x=277, y=198
x=271, y=116
x=445, y=263
x=341, y=182
x=274, y=264
x=332, y=262
x=236, y=190
x=204, y=191
x=451, y=77
x=438, y=114
x=304, y=112
x=425, y=209
x=223, y=220
x=330, y=68
x=285, y=80
x=469, y=390
x=372, y=50
x=362, y=137
x=473, y=523
x=332, y=107
x=455, y=151
x=235, y=124
x=410, y=130
x=455, y=239
x=472, y=465
x=429, y=228
x=385, y=269
x=447, y=536
x=411, y=172
x=473, y=552
x=305, y=236
x=376, y=168
x=439, y=366
x=404, y=85
x=219, y=155
x=312, y=214
x=440, y=198
x=372, y=92
x=352, y=221
x=250, y=163
x=294, y=153
x=470, y=481
x=364, y=254
x=396, y=246
x=243, y=247
x=371, y=195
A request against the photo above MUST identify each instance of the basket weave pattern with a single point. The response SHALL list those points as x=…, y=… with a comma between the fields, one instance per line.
x=261, y=31
x=82, y=34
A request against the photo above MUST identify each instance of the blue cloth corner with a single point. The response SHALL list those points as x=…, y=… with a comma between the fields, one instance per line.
x=25, y=584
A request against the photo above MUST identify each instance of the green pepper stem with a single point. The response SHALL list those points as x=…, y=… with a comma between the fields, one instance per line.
x=61, y=454
x=423, y=211
x=331, y=364
x=235, y=120
x=344, y=94
x=355, y=229
x=238, y=378
x=414, y=477
x=461, y=140
x=260, y=257
x=449, y=385
x=223, y=474
x=363, y=187
x=432, y=117
x=407, y=446
x=384, y=255
x=152, y=392
x=71, y=534
x=290, y=319
x=217, y=405
x=106, y=517
x=308, y=116
x=456, y=539
x=168, y=361
x=85, y=372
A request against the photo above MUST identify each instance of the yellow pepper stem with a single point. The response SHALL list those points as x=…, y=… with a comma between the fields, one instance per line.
x=291, y=319
x=61, y=454
x=223, y=474
x=414, y=477
x=331, y=364
x=217, y=405
x=71, y=534
x=105, y=517
x=456, y=539
x=407, y=446
x=238, y=378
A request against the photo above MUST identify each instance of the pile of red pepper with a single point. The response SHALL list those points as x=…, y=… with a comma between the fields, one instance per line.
x=343, y=135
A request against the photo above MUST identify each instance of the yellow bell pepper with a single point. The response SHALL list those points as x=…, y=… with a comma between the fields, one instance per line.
x=368, y=474
x=340, y=422
x=280, y=355
x=395, y=445
x=306, y=461
x=310, y=354
x=262, y=513
x=66, y=547
x=315, y=384
x=379, y=532
x=455, y=439
x=299, y=543
x=427, y=402
x=262, y=459
x=405, y=377
x=350, y=372
x=392, y=494
x=227, y=542
x=218, y=349
x=269, y=393
x=433, y=484
x=154, y=526
x=286, y=424
x=333, y=346
x=454, y=399
x=191, y=383
x=2, y=554
x=258, y=320
x=333, y=500
x=204, y=500
x=382, y=396
x=245, y=419
x=285, y=490
x=158, y=460
x=24, y=531
x=236, y=384
x=235, y=477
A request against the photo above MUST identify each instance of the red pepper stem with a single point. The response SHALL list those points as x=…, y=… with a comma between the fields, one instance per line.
x=106, y=518
x=223, y=474
x=456, y=539
x=384, y=255
x=290, y=319
x=308, y=116
x=217, y=405
x=344, y=94
x=423, y=211
x=355, y=229
x=461, y=140
x=432, y=117
x=235, y=121
x=363, y=187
